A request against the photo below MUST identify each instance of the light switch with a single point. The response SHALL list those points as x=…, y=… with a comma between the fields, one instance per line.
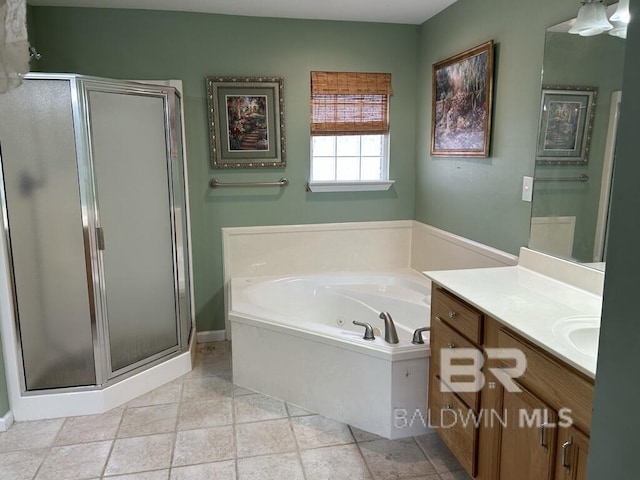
x=527, y=189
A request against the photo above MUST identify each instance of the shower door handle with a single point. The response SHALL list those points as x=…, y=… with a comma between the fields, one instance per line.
x=100, y=237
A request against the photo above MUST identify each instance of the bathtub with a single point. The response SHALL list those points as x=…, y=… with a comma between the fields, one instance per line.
x=293, y=339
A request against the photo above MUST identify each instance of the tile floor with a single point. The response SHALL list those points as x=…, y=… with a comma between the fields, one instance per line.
x=201, y=426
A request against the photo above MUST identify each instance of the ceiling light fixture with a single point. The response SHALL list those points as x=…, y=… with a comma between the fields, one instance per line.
x=622, y=13
x=591, y=19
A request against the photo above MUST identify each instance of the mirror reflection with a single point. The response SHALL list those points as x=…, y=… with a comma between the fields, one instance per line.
x=571, y=192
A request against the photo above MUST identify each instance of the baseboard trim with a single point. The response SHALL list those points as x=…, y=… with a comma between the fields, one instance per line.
x=6, y=421
x=211, y=336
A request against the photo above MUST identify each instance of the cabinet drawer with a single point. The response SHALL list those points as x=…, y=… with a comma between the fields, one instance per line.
x=462, y=317
x=553, y=381
x=444, y=337
x=455, y=425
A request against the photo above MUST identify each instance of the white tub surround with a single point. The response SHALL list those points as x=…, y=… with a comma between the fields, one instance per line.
x=531, y=303
x=349, y=247
x=435, y=249
x=293, y=339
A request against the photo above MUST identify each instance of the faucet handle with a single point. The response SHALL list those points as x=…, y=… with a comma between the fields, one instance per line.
x=368, y=330
x=417, y=335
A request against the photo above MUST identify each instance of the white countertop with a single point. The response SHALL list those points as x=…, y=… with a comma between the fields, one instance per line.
x=528, y=303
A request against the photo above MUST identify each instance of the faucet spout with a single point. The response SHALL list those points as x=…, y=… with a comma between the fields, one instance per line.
x=390, y=334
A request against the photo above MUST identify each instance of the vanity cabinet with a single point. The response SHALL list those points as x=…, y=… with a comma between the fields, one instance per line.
x=539, y=432
x=528, y=443
x=454, y=325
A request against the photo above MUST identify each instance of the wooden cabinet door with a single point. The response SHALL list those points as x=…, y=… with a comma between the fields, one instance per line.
x=573, y=448
x=528, y=444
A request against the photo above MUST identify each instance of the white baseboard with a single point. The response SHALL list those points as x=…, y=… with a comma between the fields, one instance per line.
x=6, y=421
x=211, y=336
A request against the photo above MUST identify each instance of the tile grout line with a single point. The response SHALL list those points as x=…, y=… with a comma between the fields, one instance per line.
x=424, y=452
x=175, y=432
x=366, y=464
x=295, y=440
x=113, y=443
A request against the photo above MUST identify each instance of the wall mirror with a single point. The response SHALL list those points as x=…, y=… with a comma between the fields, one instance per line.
x=580, y=101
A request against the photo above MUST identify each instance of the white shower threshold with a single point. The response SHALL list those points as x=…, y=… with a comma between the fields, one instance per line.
x=91, y=402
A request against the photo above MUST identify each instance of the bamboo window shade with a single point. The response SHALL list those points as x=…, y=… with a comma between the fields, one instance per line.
x=345, y=103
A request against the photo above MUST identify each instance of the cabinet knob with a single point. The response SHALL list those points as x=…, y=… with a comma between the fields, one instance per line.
x=452, y=314
x=451, y=345
x=448, y=407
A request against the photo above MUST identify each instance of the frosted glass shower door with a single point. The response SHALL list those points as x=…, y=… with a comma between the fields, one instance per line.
x=47, y=235
x=132, y=177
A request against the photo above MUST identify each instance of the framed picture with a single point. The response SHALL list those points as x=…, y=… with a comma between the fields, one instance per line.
x=246, y=122
x=462, y=94
x=566, y=121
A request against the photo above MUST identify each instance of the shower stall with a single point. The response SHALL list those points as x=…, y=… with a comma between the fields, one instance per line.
x=95, y=214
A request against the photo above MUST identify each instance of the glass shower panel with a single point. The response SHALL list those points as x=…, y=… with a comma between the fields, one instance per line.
x=46, y=237
x=129, y=149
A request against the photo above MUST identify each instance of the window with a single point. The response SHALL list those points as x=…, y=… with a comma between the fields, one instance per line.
x=349, y=131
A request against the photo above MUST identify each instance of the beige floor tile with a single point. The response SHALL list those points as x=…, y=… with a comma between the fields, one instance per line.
x=255, y=408
x=459, y=475
x=201, y=408
x=168, y=393
x=212, y=471
x=390, y=459
x=148, y=420
x=203, y=446
x=21, y=465
x=342, y=462
x=296, y=411
x=27, y=435
x=155, y=475
x=214, y=350
x=140, y=454
x=206, y=388
x=271, y=467
x=209, y=413
x=211, y=368
x=362, y=436
x=239, y=391
x=438, y=454
x=316, y=431
x=263, y=438
x=90, y=428
x=75, y=462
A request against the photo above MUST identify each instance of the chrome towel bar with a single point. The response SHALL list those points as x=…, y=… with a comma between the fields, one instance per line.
x=283, y=182
x=583, y=177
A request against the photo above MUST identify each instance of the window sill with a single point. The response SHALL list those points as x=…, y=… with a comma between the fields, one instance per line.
x=374, y=186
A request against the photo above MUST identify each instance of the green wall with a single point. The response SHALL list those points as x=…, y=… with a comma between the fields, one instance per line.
x=143, y=44
x=481, y=198
x=613, y=452
x=581, y=61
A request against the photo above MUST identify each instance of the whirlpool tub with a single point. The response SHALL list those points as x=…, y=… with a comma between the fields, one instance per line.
x=293, y=339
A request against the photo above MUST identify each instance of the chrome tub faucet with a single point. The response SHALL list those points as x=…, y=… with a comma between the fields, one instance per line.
x=390, y=334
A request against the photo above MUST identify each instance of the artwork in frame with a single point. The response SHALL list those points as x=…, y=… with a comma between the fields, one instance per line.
x=246, y=122
x=462, y=95
x=566, y=121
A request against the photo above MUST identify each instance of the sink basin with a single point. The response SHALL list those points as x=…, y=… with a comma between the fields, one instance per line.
x=582, y=332
x=585, y=339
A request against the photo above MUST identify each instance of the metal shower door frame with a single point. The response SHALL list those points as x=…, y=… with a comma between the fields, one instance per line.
x=90, y=208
